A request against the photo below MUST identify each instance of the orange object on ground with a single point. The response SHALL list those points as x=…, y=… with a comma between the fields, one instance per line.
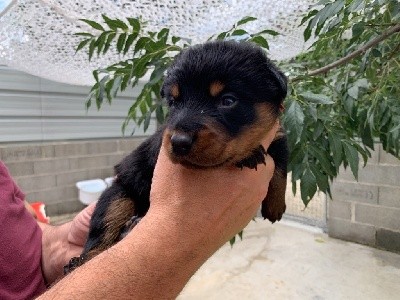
x=39, y=208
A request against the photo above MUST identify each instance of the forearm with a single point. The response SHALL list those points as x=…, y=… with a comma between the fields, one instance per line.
x=155, y=261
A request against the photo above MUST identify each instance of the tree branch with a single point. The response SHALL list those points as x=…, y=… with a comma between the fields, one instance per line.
x=384, y=35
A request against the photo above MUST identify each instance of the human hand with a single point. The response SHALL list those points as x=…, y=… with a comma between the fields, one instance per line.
x=60, y=243
x=208, y=206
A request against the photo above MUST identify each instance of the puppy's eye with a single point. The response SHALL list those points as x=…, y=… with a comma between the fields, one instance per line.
x=228, y=101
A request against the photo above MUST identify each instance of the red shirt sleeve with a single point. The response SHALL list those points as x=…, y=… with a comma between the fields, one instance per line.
x=20, y=244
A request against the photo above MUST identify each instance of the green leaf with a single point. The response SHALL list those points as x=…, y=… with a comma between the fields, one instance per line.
x=96, y=77
x=222, y=35
x=335, y=146
x=261, y=41
x=268, y=31
x=323, y=159
x=110, y=23
x=93, y=24
x=163, y=34
x=328, y=11
x=107, y=45
x=365, y=131
x=312, y=110
x=157, y=75
x=316, y=98
x=356, y=5
x=318, y=129
x=82, y=44
x=348, y=104
x=147, y=121
x=84, y=34
x=160, y=114
x=352, y=158
x=135, y=23
x=129, y=41
x=307, y=32
x=239, y=32
x=246, y=20
x=376, y=53
x=141, y=43
x=101, y=90
x=322, y=179
x=121, y=42
x=115, y=86
x=353, y=92
x=308, y=186
x=295, y=118
x=358, y=29
x=100, y=42
x=362, y=83
x=92, y=47
x=175, y=39
x=232, y=241
x=308, y=16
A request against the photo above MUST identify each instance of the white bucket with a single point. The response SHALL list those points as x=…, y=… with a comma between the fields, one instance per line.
x=109, y=180
x=90, y=190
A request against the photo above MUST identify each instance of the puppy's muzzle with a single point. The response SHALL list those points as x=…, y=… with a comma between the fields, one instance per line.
x=181, y=143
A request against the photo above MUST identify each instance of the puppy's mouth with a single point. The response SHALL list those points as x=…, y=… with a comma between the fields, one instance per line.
x=195, y=164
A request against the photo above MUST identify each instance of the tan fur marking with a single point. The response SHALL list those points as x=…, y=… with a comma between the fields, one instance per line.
x=118, y=213
x=175, y=91
x=216, y=87
x=251, y=137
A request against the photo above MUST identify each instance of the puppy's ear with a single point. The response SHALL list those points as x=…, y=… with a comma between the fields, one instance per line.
x=281, y=79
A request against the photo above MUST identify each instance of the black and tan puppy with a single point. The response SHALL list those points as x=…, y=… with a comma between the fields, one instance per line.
x=223, y=98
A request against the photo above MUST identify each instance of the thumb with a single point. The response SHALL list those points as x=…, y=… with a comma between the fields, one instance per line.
x=80, y=226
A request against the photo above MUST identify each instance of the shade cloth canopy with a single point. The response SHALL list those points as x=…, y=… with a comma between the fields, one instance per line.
x=37, y=36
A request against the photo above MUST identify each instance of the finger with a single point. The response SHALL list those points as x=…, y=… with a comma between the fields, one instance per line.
x=80, y=226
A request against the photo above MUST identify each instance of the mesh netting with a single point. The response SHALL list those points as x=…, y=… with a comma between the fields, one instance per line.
x=36, y=36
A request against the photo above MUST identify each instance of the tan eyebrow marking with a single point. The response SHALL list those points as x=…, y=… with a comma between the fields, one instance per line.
x=175, y=91
x=216, y=87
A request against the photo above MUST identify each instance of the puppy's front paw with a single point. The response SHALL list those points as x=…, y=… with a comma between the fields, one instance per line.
x=257, y=157
x=273, y=211
x=74, y=263
x=274, y=206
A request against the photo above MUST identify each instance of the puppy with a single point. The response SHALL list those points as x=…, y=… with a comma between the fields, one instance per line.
x=223, y=97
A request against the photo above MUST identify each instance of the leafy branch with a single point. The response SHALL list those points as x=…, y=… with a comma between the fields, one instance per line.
x=332, y=121
x=394, y=29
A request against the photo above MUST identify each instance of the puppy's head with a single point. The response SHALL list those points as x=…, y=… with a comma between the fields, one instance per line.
x=223, y=99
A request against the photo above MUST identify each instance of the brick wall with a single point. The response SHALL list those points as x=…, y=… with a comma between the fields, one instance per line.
x=368, y=211
x=48, y=172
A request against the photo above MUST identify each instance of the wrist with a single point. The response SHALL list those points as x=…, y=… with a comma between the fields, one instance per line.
x=54, y=249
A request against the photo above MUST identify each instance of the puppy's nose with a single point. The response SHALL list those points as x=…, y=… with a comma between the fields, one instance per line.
x=181, y=143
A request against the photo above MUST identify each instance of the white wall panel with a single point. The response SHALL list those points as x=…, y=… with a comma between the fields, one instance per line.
x=34, y=109
x=20, y=104
x=22, y=129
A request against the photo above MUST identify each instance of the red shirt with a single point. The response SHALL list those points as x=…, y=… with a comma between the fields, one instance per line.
x=20, y=244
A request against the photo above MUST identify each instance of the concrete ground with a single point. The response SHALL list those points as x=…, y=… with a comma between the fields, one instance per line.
x=290, y=261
